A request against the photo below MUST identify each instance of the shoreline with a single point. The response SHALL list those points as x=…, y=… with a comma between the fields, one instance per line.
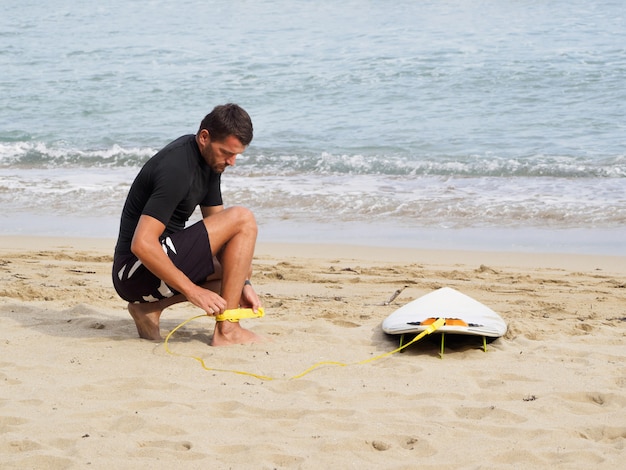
x=585, y=262
x=532, y=240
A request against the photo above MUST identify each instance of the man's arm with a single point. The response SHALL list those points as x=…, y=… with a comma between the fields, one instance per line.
x=208, y=211
x=147, y=248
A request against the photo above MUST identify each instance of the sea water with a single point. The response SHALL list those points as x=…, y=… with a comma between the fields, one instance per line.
x=465, y=124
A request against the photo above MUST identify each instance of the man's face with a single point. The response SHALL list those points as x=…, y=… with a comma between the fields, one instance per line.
x=219, y=154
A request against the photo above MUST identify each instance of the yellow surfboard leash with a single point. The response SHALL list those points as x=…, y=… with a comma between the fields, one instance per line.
x=234, y=315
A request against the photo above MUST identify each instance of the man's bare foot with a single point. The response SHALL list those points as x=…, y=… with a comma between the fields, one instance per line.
x=227, y=333
x=146, y=319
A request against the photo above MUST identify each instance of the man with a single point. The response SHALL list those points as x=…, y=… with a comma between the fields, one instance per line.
x=159, y=262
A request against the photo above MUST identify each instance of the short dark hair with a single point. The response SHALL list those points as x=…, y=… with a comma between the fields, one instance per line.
x=228, y=119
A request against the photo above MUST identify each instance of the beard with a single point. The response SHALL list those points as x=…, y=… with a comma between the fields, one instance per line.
x=219, y=168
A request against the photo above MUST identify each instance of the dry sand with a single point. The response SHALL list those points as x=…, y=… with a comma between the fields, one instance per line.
x=80, y=390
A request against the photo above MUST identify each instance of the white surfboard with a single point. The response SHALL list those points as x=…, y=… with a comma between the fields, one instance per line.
x=463, y=315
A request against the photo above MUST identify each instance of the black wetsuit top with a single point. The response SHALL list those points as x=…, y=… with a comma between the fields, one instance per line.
x=169, y=187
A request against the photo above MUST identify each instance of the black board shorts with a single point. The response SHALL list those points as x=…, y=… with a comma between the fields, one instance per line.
x=189, y=250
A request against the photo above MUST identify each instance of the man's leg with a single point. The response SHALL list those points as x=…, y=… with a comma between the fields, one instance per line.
x=190, y=251
x=148, y=314
x=233, y=232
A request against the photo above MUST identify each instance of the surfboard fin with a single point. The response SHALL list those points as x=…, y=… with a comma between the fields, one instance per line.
x=438, y=323
x=434, y=324
x=442, y=344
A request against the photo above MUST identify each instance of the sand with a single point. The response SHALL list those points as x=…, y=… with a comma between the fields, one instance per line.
x=80, y=390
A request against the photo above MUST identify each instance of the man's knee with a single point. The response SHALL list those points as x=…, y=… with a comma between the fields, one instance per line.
x=244, y=216
x=229, y=223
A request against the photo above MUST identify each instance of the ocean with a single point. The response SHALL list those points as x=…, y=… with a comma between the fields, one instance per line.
x=486, y=125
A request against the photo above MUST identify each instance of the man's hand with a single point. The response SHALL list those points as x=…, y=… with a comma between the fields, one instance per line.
x=207, y=300
x=249, y=298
